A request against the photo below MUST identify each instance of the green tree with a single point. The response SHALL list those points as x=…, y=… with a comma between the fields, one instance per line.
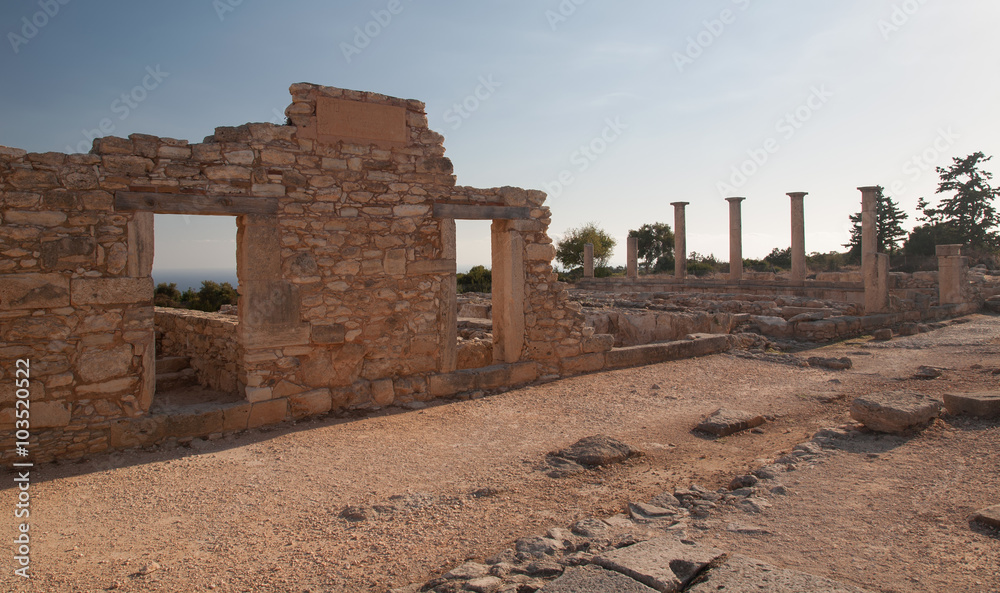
x=478, y=279
x=167, y=295
x=888, y=224
x=968, y=215
x=569, y=251
x=211, y=296
x=655, y=241
x=780, y=258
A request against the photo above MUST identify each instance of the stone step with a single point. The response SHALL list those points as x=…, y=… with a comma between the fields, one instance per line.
x=172, y=364
x=176, y=380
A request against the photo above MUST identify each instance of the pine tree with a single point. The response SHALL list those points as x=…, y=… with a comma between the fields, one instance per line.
x=968, y=215
x=889, y=227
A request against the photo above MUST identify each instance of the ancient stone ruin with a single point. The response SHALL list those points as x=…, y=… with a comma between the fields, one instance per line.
x=346, y=256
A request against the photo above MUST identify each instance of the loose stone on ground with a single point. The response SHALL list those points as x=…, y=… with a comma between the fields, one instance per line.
x=724, y=422
x=895, y=412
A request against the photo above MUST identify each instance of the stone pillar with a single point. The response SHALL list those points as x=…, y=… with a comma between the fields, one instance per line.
x=508, y=291
x=874, y=266
x=951, y=272
x=588, y=260
x=449, y=302
x=680, y=240
x=632, y=269
x=798, y=238
x=735, y=239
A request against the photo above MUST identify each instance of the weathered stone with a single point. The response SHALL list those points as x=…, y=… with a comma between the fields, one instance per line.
x=773, y=326
x=596, y=451
x=739, y=574
x=664, y=564
x=724, y=422
x=468, y=570
x=835, y=364
x=989, y=517
x=895, y=412
x=49, y=414
x=592, y=579
x=100, y=365
x=34, y=291
x=108, y=291
x=982, y=405
x=268, y=412
x=882, y=335
x=927, y=373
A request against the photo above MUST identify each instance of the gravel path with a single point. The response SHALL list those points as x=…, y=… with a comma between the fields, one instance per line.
x=428, y=489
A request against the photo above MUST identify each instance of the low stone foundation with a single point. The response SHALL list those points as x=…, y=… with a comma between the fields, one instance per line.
x=208, y=339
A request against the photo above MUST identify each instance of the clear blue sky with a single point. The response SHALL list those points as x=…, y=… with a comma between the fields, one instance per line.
x=668, y=96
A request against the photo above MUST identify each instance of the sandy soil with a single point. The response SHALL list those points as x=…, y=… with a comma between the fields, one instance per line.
x=261, y=511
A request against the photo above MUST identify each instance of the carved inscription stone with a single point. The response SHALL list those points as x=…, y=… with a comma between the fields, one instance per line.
x=360, y=123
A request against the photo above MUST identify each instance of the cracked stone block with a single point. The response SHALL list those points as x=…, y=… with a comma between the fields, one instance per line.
x=896, y=411
x=664, y=564
x=983, y=405
x=740, y=574
x=724, y=422
x=591, y=579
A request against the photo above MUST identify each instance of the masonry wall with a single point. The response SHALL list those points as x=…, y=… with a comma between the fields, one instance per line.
x=210, y=340
x=346, y=265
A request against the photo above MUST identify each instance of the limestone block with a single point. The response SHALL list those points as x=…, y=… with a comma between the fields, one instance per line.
x=383, y=393
x=50, y=414
x=109, y=291
x=108, y=388
x=538, y=252
x=895, y=412
x=236, y=417
x=100, y=365
x=598, y=343
x=448, y=384
x=140, y=245
x=259, y=394
x=194, y=425
x=724, y=422
x=33, y=291
x=665, y=564
x=592, y=579
x=137, y=432
x=67, y=253
x=585, y=363
x=989, y=517
x=269, y=303
x=269, y=412
x=30, y=180
x=395, y=262
x=310, y=403
x=983, y=405
x=258, y=253
x=740, y=574
x=42, y=218
x=227, y=173
x=425, y=267
x=772, y=326
x=333, y=333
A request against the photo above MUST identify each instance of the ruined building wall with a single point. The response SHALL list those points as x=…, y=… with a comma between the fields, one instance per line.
x=346, y=265
x=209, y=340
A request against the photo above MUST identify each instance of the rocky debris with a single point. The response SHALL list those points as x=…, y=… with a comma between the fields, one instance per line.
x=724, y=422
x=468, y=571
x=982, y=405
x=747, y=481
x=740, y=574
x=357, y=513
x=927, y=373
x=895, y=412
x=882, y=335
x=835, y=364
x=989, y=517
x=908, y=329
x=596, y=451
x=593, y=579
x=993, y=304
x=149, y=568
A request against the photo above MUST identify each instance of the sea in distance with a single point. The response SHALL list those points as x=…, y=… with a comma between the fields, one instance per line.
x=185, y=279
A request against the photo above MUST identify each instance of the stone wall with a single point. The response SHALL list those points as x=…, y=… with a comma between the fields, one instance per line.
x=208, y=339
x=345, y=257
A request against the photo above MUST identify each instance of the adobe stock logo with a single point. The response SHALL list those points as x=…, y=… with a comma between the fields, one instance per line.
x=30, y=27
x=586, y=155
x=463, y=110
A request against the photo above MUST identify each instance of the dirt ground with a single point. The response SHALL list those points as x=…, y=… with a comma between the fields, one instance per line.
x=261, y=511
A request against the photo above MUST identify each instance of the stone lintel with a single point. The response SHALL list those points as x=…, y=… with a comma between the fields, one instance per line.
x=168, y=203
x=475, y=212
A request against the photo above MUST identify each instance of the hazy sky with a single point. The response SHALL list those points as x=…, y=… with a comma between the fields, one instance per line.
x=615, y=108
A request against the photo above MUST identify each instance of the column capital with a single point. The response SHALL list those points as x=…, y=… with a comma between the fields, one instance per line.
x=735, y=199
x=797, y=194
x=869, y=189
x=679, y=204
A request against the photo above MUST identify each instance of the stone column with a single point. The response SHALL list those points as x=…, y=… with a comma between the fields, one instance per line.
x=508, y=291
x=588, y=260
x=735, y=239
x=874, y=267
x=449, y=303
x=632, y=269
x=798, y=238
x=951, y=271
x=680, y=240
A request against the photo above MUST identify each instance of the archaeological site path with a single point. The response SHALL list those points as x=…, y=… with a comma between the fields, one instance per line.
x=262, y=511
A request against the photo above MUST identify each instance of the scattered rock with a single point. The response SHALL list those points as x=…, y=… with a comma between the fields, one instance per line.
x=927, y=373
x=592, y=579
x=989, y=517
x=664, y=564
x=467, y=571
x=639, y=510
x=539, y=546
x=909, y=329
x=149, y=568
x=746, y=529
x=357, y=513
x=597, y=451
x=835, y=364
x=562, y=468
x=589, y=527
x=484, y=585
x=882, y=335
x=983, y=405
x=739, y=574
x=746, y=481
x=665, y=500
x=724, y=422
x=993, y=304
x=895, y=412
